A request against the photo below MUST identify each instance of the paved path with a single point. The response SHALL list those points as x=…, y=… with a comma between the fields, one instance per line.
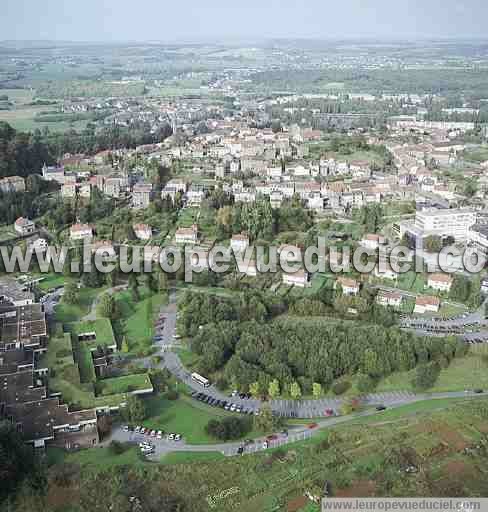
x=306, y=409
x=92, y=315
x=300, y=433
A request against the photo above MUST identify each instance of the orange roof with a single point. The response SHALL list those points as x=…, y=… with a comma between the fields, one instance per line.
x=440, y=278
x=428, y=300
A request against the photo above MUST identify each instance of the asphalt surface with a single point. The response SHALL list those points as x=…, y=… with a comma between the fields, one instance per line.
x=301, y=433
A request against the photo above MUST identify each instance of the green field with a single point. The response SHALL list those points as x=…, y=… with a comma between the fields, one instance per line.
x=183, y=416
x=124, y=384
x=69, y=313
x=191, y=457
x=137, y=319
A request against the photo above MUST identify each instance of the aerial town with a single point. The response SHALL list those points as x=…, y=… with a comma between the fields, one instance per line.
x=192, y=388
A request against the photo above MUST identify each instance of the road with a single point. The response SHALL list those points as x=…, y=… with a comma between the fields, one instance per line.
x=300, y=433
x=306, y=409
x=92, y=315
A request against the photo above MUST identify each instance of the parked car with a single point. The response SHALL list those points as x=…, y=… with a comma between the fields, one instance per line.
x=381, y=408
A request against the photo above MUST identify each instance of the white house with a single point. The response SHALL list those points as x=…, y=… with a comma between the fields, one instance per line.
x=24, y=226
x=349, y=286
x=187, y=235
x=239, y=243
x=142, y=231
x=371, y=241
x=300, y=278
x=81, y=231
x=425, y=304
x=392, y=299
x=441, y=282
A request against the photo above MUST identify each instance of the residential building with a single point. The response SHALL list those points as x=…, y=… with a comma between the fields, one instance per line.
x=440, y=282
x=142, y=231
x=239, y=243
x=24, y=226
x=13, y=292
x=81, y=232
x=371, y=241
x=141, y=195
x=427, y=304
x=349, y=286
x=12, y=184
x=300, y=278
x=187, y=235
x=389, y=299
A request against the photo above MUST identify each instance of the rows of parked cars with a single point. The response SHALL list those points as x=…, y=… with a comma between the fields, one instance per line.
x=157, y=434
x=223, y=404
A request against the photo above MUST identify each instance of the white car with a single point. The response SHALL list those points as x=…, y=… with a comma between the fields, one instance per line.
x=177, y=437
x=171, y=437
x=233, y=407
x=160, y=434
x=137, y=429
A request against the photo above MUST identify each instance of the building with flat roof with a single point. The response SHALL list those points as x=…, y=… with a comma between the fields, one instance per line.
x=22, y=327
x=454, y=223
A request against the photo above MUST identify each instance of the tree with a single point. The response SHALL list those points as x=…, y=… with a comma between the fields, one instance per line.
x=295, y=391
x=151, y=282
x=125, y=345
x=229, y=428
x=71, y=293
x=107, y=307
x=365, y=383
x=426, y=376
x=265, y=421
x=433, y=243
x=135, y=410
x=18, y=463
x=274, y=389
x=349, y=406
x=255, y=389
x=317, y=390
x=162, y=282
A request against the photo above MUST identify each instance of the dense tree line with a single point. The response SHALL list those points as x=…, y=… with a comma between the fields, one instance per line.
x=23, y=154
x=246, y=346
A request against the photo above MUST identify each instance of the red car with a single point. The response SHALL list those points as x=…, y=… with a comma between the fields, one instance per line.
x=329, y=412
x=312, y=426
x=272, y=437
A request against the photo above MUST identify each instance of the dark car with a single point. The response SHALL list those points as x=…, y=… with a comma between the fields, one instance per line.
x=381, y=408
x=478, y=391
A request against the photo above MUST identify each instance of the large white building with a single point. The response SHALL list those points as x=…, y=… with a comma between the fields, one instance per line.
x=454, y=223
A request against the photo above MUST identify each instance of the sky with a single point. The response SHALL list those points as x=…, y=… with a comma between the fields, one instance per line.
x=221, y=20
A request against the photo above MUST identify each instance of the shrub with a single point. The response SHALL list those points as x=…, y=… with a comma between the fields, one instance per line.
x=229, y=428
x=339, y=388
x=365, y=383
x=117, y=448
x=172, y=395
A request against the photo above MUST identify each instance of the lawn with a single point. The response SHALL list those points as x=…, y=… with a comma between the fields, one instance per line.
x=104, y=458
x=183, y=416
x=69, y=313
x=51, y=281
x=464, y=373
x=137, y=319
x=102, y=327
x=190, y=457
x=124, y=384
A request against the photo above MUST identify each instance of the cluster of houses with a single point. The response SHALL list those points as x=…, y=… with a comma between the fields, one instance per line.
x=25, y=400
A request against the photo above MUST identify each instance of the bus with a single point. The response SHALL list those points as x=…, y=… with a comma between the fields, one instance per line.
x=201, y=380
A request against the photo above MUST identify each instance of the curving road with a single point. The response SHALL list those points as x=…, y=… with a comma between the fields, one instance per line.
x=306, y=409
